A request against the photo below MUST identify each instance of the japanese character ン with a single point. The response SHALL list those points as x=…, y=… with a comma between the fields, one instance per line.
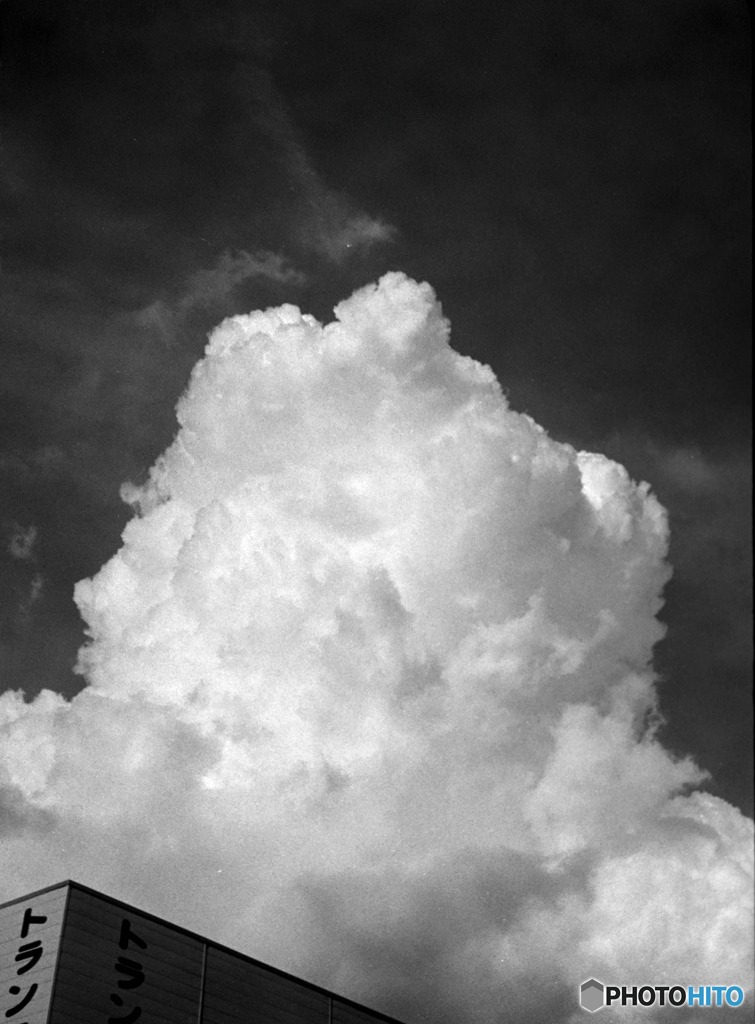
x=14, y=990
x=132, y=969
x=129, y=1018
x=31, y=951
x=29, y=920
x=128, y=936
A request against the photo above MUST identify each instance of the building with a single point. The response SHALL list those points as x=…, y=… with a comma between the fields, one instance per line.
x=70, y=955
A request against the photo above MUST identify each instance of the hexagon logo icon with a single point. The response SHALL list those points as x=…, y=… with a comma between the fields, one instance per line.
x=591, y=995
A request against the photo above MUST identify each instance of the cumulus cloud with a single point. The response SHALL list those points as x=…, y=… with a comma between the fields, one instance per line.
x=370, y=692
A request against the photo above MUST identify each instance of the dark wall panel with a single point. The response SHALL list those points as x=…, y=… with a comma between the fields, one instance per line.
x=32, y=973
x=114, y=961
x=236, y=990
x=345, y=1014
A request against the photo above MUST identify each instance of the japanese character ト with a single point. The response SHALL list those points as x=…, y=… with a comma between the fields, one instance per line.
x=127, y=935
x=29, y=920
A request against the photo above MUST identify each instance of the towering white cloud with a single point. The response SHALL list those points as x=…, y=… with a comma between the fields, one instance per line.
x=370, y=691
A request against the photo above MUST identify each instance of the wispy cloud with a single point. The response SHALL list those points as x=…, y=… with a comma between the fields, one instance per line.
x=337, y=233
x=206, y=287
x=330, y=224
x=34, y=594
x=209, y=288
x=21, y=541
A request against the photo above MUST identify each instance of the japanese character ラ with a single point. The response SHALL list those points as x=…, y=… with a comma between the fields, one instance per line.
x=132, y=969
x=31, y=951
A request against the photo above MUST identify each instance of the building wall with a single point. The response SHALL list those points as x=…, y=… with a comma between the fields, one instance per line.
x=29, y=941
x=113, y=961
x=103, y=962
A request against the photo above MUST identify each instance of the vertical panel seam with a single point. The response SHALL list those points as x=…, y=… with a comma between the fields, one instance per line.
x=201, y=983
x=51, y=1007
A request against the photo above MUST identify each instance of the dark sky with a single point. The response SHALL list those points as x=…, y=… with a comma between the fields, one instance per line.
x=573, y=180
